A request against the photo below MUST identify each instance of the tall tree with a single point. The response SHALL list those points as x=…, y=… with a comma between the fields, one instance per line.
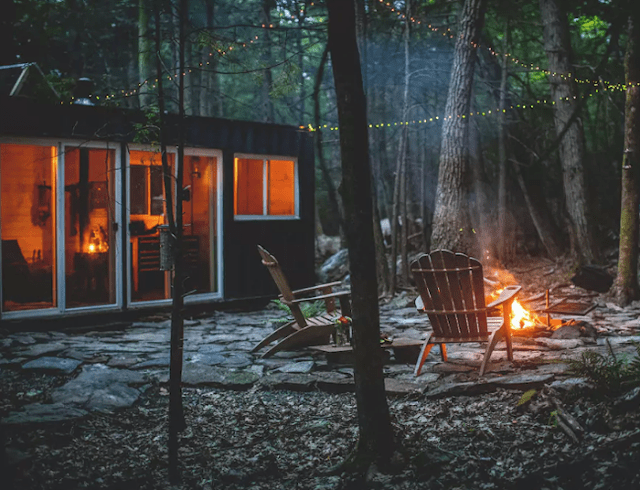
x=400, y=185
x=145, y=66
x=625, y=288
x=375, y=441
x=451, y=222
x=563, y=92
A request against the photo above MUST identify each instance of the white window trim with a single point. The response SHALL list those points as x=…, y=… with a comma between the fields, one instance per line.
x=59, y=210
x=296, y=190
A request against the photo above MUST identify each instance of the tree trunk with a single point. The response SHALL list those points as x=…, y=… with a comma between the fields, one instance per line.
x=502, y=155
x=207, y=74
x=176, y=411
x=267, y=112
x=399, y=190
x=451, y=223
x=625, y=288
x=144, y=56
x=540, y=218
x=375, y=441
x=563, y=91
x=332, y=195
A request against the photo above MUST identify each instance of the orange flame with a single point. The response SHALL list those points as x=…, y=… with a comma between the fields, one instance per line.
x=520, y=316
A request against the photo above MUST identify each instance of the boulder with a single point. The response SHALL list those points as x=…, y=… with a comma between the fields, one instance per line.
x=335, y=268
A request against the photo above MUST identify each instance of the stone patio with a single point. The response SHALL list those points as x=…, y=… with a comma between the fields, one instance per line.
x=111, y=369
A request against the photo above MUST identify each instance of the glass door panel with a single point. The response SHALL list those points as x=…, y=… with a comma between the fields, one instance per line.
x=200, y=230
x=90, y=242
x=27, y=175
x=147, y=211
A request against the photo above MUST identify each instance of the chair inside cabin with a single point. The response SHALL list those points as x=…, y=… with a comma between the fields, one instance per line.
x=451, y=288
x=301, y=331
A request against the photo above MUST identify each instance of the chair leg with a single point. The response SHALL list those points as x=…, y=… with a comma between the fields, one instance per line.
x=493, y=340
x=312, y=335
x=426, y=348
x=283, y=331
x=443, y=352
x=507, y=338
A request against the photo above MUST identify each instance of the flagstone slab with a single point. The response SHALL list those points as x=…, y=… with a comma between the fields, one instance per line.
x=559, y=344
x=334, y=382
x=99, y=387
x=40, y=349
x=61, y=365
x=297, y=367
x=572, y=384
x=203, y=375
x=43, y=413
x=522, y=382
x=161, y=361
x=397, y=387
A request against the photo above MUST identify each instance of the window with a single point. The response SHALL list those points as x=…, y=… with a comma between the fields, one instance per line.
x=264, y=187
x=147, y=195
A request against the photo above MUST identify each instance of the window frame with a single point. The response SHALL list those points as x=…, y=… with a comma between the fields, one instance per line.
x=265, y=189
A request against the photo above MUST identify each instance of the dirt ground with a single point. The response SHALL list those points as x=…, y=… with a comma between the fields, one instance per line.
x=287, y=440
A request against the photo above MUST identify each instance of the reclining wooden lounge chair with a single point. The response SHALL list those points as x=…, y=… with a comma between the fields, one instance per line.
x=451, y=288
x=302, y=331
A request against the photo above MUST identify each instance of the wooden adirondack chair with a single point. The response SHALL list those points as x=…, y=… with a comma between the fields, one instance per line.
x=451, y=288
x=302, y=331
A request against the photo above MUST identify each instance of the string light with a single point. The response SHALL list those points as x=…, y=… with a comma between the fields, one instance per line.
x=435, y=119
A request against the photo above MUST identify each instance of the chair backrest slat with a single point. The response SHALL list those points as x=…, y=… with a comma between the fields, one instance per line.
x=283, y=285
x=450, y=282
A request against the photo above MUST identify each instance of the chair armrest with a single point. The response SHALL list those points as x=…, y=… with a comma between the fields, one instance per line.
x=338, y=294
x=508, y=294
x=316, y=288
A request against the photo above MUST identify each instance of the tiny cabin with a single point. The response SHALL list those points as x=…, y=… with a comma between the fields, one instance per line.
x=83, y=205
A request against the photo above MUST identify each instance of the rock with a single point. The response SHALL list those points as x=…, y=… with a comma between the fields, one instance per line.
x=396, y=387
x=567, y=332
x=59, y=365
x=204, y=375
x=40, y=349
x=522, y=382
x=571, y=384
x=335, y=268
x=100, y=388
x=162, y=361
x=297, y=367
x=335, y=383
x=558, y=344
x=42, y=413
x=593, y=278
x=326, y=246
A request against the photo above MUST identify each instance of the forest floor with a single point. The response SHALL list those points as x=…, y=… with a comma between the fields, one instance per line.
x=259, y=439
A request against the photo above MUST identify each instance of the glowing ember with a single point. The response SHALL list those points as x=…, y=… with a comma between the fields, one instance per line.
x=520, y=317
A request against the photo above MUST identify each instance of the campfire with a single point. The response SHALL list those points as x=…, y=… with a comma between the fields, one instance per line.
x=520, y=317
x=523, y=318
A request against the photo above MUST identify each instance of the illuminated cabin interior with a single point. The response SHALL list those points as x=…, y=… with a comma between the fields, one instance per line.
x=82, y=217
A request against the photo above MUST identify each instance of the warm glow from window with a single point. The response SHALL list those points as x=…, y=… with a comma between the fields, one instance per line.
x=249, y=186
x=281, y=188
x=264, y=187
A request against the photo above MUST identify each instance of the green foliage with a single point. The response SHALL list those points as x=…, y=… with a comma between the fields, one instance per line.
x=286, y=82
x=312, y=308
x=553, y=419
x=610, y=374
x=148, y=132
x=526, y=396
